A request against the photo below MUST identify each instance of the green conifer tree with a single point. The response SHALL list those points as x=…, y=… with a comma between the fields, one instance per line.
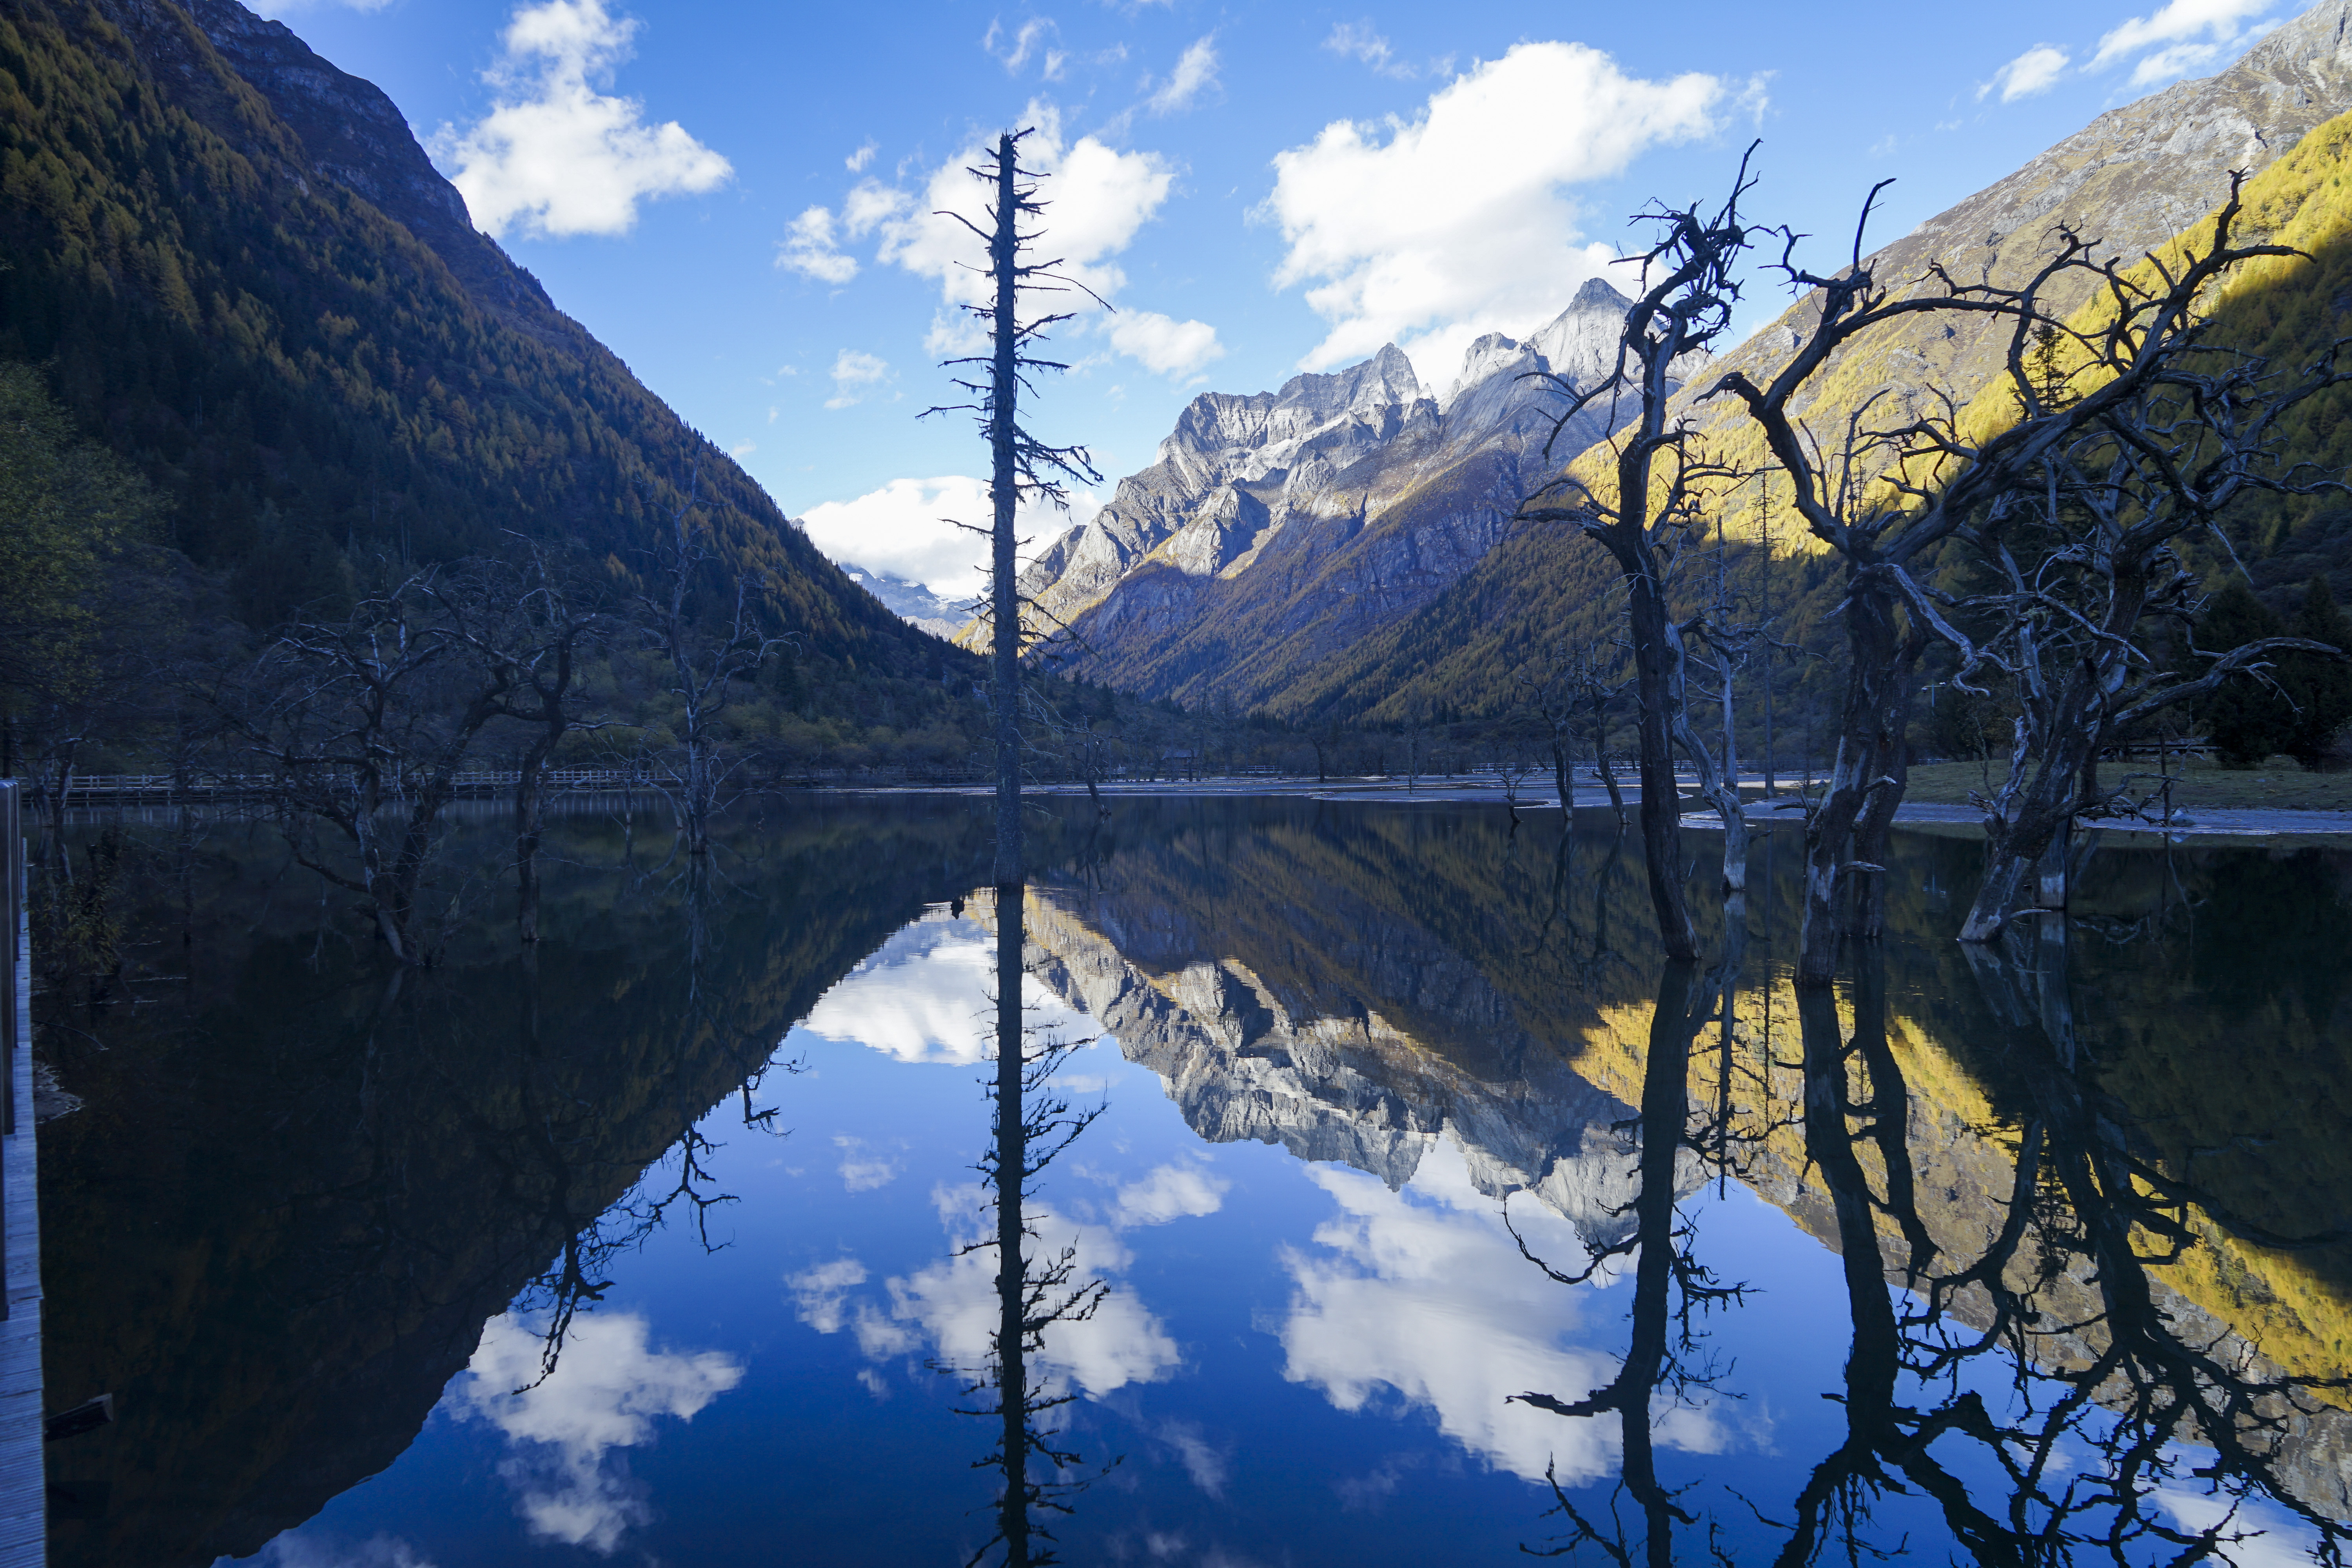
x=2247, y=720
x=2321, y=687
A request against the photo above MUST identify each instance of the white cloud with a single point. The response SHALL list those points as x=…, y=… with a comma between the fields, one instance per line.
x=2035, y=70
x=902, y=529
x=1204, y=1462
x=2178, y=24
x=1015, y=51
x=555, y=156
x=606, y=1392
x=870, y=205
x=1457, y=223
x=1424, y=1292
x=1101, y=197
x=855, y=162
x=2275, y=1539
x=1162, y=343
x=1357, y=41
x=808, y=249
x=856, y=374
x=1195, y=73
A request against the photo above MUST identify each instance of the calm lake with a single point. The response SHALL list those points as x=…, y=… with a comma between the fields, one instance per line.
x=674, y=1243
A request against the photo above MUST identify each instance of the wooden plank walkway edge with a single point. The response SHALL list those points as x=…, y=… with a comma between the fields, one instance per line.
x=23, y=1522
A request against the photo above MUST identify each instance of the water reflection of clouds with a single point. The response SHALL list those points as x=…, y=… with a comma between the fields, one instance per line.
x=863, y=1167
x=923, y=997
x=607, y=1394
x=1423, y=1292
x=951, y=1305
x=300, y=1549
x=2272, y=1538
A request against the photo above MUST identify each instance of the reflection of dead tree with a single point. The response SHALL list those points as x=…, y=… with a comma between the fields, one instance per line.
x=1033, y=1124
x=2117, y=1379
x=1671, y=1286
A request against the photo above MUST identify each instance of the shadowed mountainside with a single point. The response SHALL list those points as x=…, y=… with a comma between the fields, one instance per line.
x=247, y=278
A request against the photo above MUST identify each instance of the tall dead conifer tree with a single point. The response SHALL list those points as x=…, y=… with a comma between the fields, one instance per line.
x=1020, y=466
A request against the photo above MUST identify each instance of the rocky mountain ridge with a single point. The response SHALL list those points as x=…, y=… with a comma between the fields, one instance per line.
x=911, y=601
x=1294, y=513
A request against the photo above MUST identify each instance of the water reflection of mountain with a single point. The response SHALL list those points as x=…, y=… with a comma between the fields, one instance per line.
x=1353, y=985
x=276, y=1231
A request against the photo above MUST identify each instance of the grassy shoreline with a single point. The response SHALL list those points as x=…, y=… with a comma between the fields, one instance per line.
x=2277, y=786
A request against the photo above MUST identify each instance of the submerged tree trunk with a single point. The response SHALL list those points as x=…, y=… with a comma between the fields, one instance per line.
x=1656, y=680
x=1864, y=777
x=531, y=788
x=1601, y=759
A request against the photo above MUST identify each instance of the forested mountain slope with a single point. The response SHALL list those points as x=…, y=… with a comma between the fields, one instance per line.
x=245, y=276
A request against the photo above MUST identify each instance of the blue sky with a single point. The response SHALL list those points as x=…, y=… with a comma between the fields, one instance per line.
x=735, y=196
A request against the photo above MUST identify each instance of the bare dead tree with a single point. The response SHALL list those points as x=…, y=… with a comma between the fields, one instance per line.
x=1575, y=686
x=364, y=726
x=1069, y=737
x=1020, y=465
x=533, y=626
x=1660, y=481
x=705, y=658
x=2082, y=565
x=1886, y=498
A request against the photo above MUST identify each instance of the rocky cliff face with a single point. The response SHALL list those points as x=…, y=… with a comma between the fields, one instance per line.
x=1277, y=526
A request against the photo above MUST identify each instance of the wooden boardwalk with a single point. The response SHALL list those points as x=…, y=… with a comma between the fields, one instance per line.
x=23, y=1521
